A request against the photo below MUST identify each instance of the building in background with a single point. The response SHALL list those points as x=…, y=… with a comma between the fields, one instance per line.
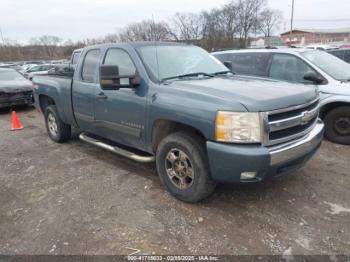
x=272, y=41
x=303, y=37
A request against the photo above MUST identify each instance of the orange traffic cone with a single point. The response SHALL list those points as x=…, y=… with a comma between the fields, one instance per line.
x=16, y=124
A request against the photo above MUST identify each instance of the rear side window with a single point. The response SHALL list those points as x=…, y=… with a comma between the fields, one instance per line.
x=75, y=58
x=223, y=57
x=90, y=66
x=255, y=64
x=121, y=59
x=347, y=56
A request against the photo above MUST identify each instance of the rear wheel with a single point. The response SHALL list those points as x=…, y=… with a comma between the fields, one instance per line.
x=56, y=129
x=182, y=165
x=338, y=125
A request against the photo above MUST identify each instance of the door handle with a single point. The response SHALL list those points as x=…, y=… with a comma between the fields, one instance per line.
x=101, y=96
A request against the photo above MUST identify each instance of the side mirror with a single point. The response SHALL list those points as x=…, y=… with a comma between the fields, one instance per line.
x=313, y=77
x=110, y=78
x=229, y=65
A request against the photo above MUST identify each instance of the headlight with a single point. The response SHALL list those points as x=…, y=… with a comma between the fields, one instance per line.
x=238, y=127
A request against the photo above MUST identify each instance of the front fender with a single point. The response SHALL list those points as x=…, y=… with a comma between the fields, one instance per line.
x=196, y=110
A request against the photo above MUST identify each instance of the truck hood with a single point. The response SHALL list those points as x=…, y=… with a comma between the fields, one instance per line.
x=255, y=94
x=15, y=86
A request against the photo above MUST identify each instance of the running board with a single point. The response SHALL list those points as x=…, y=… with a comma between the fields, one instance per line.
x=114, y=149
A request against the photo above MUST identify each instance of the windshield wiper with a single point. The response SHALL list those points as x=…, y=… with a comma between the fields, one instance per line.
x=223, y=72
x=187, y=75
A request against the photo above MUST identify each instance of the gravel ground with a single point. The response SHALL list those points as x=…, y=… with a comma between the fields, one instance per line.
x=75, y=198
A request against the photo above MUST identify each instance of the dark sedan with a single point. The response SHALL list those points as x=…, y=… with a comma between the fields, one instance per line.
x=15, y=89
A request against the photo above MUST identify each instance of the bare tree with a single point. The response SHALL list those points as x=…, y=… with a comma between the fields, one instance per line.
x=221, y=27
x=187, y=26
x=146, y=30
x=269, y=19
x=112, y=38
x=9, y=49
x=247, y=15
x=214, y=29
x=230, y=20
x=48, y=42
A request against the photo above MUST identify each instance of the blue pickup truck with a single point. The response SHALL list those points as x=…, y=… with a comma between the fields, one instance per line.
x=179, y=106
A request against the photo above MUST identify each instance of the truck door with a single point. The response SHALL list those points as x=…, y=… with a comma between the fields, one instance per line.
x=84, y=86
x=120, y=114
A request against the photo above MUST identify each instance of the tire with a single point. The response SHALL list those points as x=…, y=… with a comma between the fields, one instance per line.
x=58, y=131
x=193, y=160
x=338, y=125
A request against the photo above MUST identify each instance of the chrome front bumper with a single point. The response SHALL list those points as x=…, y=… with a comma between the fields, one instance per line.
x=297, y=148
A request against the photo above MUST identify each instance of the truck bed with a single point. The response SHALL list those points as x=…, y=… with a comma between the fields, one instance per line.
x=58, y=87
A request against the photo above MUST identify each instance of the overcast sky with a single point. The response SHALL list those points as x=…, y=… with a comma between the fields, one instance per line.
x=77, y=19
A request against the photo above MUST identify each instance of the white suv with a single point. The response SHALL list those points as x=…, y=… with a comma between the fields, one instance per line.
x=329, y=73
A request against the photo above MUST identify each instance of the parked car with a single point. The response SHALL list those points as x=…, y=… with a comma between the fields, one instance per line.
x=321, y=47
x=27, y=67
x=29, y=64
x=39, y=70
x=15, y=89
x=343, y=54
x=179, y=106
x=330, y=74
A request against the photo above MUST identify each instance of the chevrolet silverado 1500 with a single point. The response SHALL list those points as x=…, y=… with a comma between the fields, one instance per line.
x=179, y=106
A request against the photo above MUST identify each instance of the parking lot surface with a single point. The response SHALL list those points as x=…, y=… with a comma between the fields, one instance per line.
x=75, y=198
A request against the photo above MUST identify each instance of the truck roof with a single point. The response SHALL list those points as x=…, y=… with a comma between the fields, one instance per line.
x=136, y=44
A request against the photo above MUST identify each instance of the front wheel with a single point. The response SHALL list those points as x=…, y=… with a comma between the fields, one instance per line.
x=338, y=125
x=183, y=168
x=57, y=130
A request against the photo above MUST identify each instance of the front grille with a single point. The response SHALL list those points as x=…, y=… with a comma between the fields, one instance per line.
x=291, y=123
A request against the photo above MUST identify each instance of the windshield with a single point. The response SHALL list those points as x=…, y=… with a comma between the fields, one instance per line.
x=333, y=66
x=177, y=60
x=10, y=76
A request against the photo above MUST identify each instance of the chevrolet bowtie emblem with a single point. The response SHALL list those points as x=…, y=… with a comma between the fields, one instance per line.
x=307, y=116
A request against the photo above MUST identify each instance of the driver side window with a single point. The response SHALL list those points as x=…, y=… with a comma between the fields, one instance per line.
x=289, y=68
x=121, y=59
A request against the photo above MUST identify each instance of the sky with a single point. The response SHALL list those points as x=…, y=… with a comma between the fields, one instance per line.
x=78, y=19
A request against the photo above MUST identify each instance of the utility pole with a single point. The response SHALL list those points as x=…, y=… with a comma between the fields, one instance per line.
x=291, y=24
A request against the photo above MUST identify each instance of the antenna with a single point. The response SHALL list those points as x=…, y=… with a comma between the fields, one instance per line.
x=2, y=36
x=156, y=46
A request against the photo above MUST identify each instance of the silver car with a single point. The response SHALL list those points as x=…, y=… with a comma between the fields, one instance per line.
x=329, y=73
